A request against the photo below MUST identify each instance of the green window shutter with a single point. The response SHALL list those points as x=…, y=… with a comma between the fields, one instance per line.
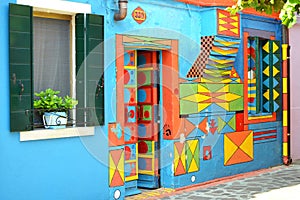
x=20, y=63
x=90, y=69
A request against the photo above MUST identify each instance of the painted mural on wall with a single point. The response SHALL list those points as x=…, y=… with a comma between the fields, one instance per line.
x=208, y=112
x=175, y=120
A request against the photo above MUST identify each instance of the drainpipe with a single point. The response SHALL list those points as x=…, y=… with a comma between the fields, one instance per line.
x=122, y=10
x=286, y=99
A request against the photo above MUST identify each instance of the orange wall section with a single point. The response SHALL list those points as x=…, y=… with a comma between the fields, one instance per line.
x=227, y=3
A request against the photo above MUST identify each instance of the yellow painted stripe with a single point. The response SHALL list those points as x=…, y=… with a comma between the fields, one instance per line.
x=285, y=118
x=129, y=67
x=284, y=51
x=284, y=86
x=285, y=149
x=251, y=95
x=261, y=117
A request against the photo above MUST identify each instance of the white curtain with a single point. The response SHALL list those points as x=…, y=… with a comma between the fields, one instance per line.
x=51, y=54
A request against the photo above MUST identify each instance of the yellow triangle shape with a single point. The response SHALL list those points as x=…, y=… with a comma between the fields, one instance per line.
x=247, y=145
x=266, y=47
x=229, y=97
x=275, y=47
x=224, y=89
x=267, y=71
x=197, y=98
x=201, y=88
x=205, y=80
x=176, y=154
x=236, y=24
x=275, y=94
x=267, y=95
x=222, y=28
x=222, y=22
x=193, y=145
x=202, y=106
x=235, y=30
x=229, y=149
x=222, y=15
x=224, y=105
x=112, y=168
x=121, y=166
x=183, y=157
x=275, y=71
x=236, y=18
x=193, y=166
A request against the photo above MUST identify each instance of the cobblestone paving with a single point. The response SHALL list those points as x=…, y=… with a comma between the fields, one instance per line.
x=245, y=188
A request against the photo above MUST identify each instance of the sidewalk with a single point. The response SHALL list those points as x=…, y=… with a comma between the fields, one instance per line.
x=282, y=182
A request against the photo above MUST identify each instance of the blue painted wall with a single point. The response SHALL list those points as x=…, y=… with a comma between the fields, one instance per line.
x=47, y=169
x=76, y=168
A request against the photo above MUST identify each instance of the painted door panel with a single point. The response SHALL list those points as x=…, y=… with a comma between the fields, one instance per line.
x=147, y=80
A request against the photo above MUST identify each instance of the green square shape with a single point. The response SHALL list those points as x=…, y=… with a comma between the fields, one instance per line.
x=188, y=107
x=237, y=88
x=237, y=105
x=187, y=89
x=147, y=108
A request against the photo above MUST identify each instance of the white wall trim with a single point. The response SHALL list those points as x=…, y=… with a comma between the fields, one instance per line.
x=44, y=134
x=57, y=6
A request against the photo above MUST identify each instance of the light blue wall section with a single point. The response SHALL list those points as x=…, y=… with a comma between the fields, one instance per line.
x=209, y=18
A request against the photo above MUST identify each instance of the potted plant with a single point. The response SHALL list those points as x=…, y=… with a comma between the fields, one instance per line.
x=53, y=108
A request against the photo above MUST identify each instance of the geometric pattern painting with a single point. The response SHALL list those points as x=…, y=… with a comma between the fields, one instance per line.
x=215, y=61
x=186, y=157
x=220, y=66
x=226, y=123
x=215, y=124
x=192, y=155
x=252, y=74
x=195, y=98
x=228, y=24
x=115, y=135
x=264, y=135
x=139, y=42
x=271, y=75
x=264, y=75
x=131, y=164
x=130, y=97
x=199, y=65
x=116, y=168
x=179, y=158
x=238, y=147
x=148, y=162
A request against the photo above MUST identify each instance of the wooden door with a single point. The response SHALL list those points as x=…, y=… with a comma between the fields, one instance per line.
x=148, y=127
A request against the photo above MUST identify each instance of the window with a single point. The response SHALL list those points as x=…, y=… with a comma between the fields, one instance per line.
x=264, y=72
x=41, y=56
x=52, y=53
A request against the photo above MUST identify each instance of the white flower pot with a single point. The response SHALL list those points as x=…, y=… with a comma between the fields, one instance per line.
x=55, y=120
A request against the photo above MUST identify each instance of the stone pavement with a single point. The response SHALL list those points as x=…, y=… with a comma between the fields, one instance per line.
x=275, y=183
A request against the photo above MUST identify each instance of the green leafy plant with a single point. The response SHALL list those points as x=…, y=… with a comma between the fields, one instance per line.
x=49, y=101
x=288, y=8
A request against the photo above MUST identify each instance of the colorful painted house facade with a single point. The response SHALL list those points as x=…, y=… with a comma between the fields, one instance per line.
x=171, y=94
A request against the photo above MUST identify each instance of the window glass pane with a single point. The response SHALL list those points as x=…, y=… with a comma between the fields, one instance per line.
x=51, y=54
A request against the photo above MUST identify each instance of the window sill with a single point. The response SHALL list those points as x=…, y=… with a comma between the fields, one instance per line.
x=45, y=134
